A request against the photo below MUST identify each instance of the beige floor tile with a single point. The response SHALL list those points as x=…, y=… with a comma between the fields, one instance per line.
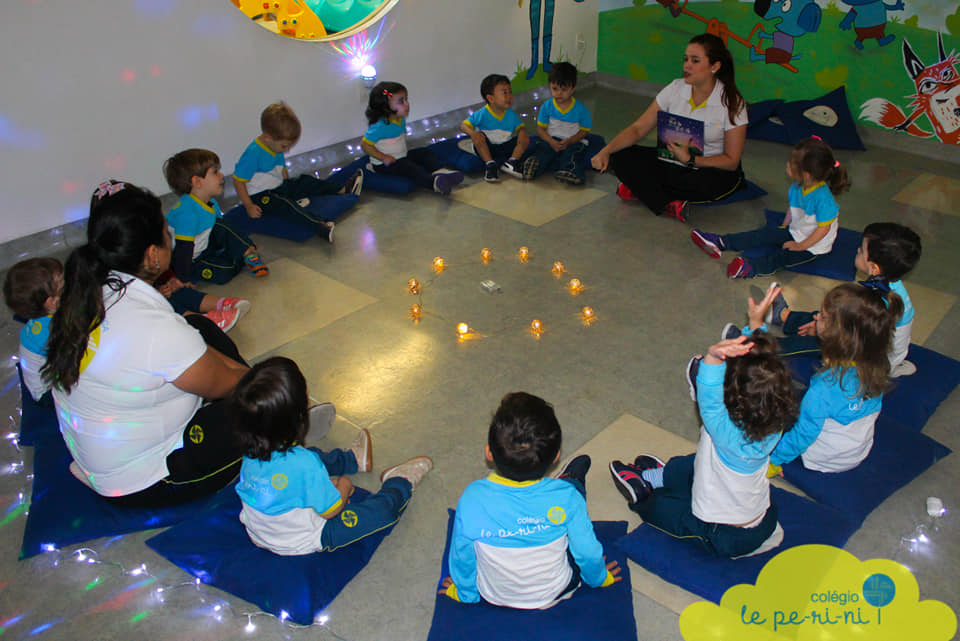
x=533, y=203
x=929, y=191
x=303, y=298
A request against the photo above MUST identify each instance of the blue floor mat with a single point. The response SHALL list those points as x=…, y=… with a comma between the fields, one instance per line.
x=696, y=570
x=838, y=264
x=215, y=548
x=750, y=191
x=595, y=614
x=38, y=419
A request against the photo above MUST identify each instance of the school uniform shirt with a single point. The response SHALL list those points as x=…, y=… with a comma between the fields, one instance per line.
x=125, y=415
x=260, y=167
x=730, y=482
x=834, y=432
x=287, y=500
x=190, y=219
x=510, y=542
x=904, y=328
x=810, y=209
x=563, y=124
x=498, y=130
x=33, y=354
x=677, y=98
x=389, y=137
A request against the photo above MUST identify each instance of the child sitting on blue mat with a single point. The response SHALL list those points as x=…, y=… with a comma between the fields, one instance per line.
x=264, y=186
x=719, y=497
x=521, y=540
x=808, y=229
x=562, y=126
x=32, y=291
x=887, y=253
x=496, y=132
x=296, y=500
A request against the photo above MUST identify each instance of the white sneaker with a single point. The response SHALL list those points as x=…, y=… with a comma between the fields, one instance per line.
x=905, y=368
x=320, y=418
x=362, y=448
x=413, y=470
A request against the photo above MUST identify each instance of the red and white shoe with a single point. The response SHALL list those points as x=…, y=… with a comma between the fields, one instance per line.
x=225, y=319
x=624, y=192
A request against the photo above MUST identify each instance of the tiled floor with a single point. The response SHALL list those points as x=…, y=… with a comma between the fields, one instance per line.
x=343, y=313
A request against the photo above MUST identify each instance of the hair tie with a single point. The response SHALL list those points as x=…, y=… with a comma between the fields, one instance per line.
x=387, y=94
x=880, y=285
x=816, y=137
x=108, y=188
x=836, y=163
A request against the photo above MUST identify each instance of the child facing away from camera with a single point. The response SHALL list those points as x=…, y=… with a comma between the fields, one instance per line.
x=496, y=132
x=887, y=253
x=386, y=142
x=32, y=290
x=519, y=539
x=810, y=226
x=719, y=497
x=264, y=186
x=563, y=123
x=296, y=500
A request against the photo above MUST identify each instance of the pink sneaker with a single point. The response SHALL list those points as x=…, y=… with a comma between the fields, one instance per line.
x=624, y=192
x=739, y=268
x=240, y=304
x=224, y=318
x=675, y=210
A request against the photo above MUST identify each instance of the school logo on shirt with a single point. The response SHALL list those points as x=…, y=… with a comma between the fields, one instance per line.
x=349, y=518
x=556, y=515
x=36, y=328
x=279, y=481
x=207, y=273
x=195, y=434
x=264, y=200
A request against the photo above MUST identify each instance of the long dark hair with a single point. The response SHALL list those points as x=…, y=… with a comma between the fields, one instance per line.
x=125, y=221
x=815, y=157
x=718, y=52
x=378, y=106
x=268, y=408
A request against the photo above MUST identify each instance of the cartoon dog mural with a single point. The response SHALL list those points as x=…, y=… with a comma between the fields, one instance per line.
x=869, y=20
x=937, y=98
x=797, y=17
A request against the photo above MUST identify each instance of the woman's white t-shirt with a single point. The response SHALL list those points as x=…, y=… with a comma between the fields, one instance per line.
x=676, y=98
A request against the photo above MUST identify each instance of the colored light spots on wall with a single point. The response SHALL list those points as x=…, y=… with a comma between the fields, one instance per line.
x=155, y=8
x=115, y=163
x=193, y=116
x=75, y=212
x=128, y=75
x=16, y=137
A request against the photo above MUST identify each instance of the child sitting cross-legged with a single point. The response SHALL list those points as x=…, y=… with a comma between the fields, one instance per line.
x=296, y=500
x=719, y=497
x=520, y=539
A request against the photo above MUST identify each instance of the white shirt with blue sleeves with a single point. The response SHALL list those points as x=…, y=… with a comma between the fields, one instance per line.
x=389, y=137
x=563, y=124
x=260, y=167
x=285, y=500
x=810, y=209
x=33, y=354
x=191, y=219
x=510, y=542
x=834, y=432
x=497, y=130
x=901, y=334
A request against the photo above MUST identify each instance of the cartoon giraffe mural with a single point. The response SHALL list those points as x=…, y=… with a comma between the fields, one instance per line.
x=535, y=34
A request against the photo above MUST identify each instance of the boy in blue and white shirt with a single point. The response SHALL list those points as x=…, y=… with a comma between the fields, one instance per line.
x=562, y=125
x=496, y=131
x=515, y=532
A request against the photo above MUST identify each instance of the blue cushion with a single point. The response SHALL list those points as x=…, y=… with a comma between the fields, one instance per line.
x=898, y=456
x=374, y=181
x=837, y=264
x=324, y=207
x=64, y=511
x=215, y=548
x=796, y=126
x=694, y=569
x=38, y=419
x=595, y=614
x=912, y=399
x=748, y=191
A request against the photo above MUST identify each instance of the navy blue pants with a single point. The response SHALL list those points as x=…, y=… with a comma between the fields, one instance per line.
x=418, y=165
x=223, y=257
x=573, y=158
x=792, y=344
x=769, y=237
x=281, y=202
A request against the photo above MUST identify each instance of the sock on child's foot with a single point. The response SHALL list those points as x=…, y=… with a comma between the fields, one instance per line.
x=653, y=476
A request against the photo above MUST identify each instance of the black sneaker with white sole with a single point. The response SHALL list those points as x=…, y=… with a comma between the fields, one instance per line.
x=693, y=368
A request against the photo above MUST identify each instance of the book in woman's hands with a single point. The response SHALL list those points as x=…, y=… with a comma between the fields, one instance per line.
x=673, y=129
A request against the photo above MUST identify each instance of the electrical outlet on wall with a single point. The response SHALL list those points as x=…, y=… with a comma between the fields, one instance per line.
x=580, y=42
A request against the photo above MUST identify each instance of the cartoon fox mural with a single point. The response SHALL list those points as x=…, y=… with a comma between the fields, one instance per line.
x=937, y=98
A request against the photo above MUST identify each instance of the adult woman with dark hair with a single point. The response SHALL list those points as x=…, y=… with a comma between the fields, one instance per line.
x=707, y=92
x=129, y=375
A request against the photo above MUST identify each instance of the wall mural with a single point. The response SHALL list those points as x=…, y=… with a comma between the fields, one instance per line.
x=535, y=6
x=315, y=20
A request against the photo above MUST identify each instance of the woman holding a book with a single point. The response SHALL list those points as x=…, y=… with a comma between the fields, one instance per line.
x=701, y=122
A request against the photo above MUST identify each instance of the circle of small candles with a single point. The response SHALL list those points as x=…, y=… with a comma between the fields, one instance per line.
x=536, y=326
x=575, y=285
x=438, y=264
x=558, y=268
x=416, y=311
x=587, y=313
x=413, y=286
x=486, y=255
x=523, y=254
x=462, y=329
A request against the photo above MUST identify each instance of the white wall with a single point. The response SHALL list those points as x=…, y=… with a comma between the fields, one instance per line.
x=111, y=88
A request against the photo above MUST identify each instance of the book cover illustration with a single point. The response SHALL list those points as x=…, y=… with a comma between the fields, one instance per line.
x=674, y=129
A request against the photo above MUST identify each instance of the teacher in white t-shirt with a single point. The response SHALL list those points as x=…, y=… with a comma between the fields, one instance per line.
x=707, y=92
x=129, y=375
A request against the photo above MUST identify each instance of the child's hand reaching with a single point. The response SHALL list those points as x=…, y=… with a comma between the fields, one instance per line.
x=253, y=210
x=756, y=311
x=792, y=246
x=729, y=348
x=387, y=159
x=808, y=329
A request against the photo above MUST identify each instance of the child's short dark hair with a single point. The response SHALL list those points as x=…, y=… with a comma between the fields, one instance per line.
x=758, y=391
x=563, y=74
x=378, y=105
x=29, y=284
x=894, y=248
x=180, y=168
x=524, y=437
x=490, y=84
x=268, y=408
x=280, y=123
